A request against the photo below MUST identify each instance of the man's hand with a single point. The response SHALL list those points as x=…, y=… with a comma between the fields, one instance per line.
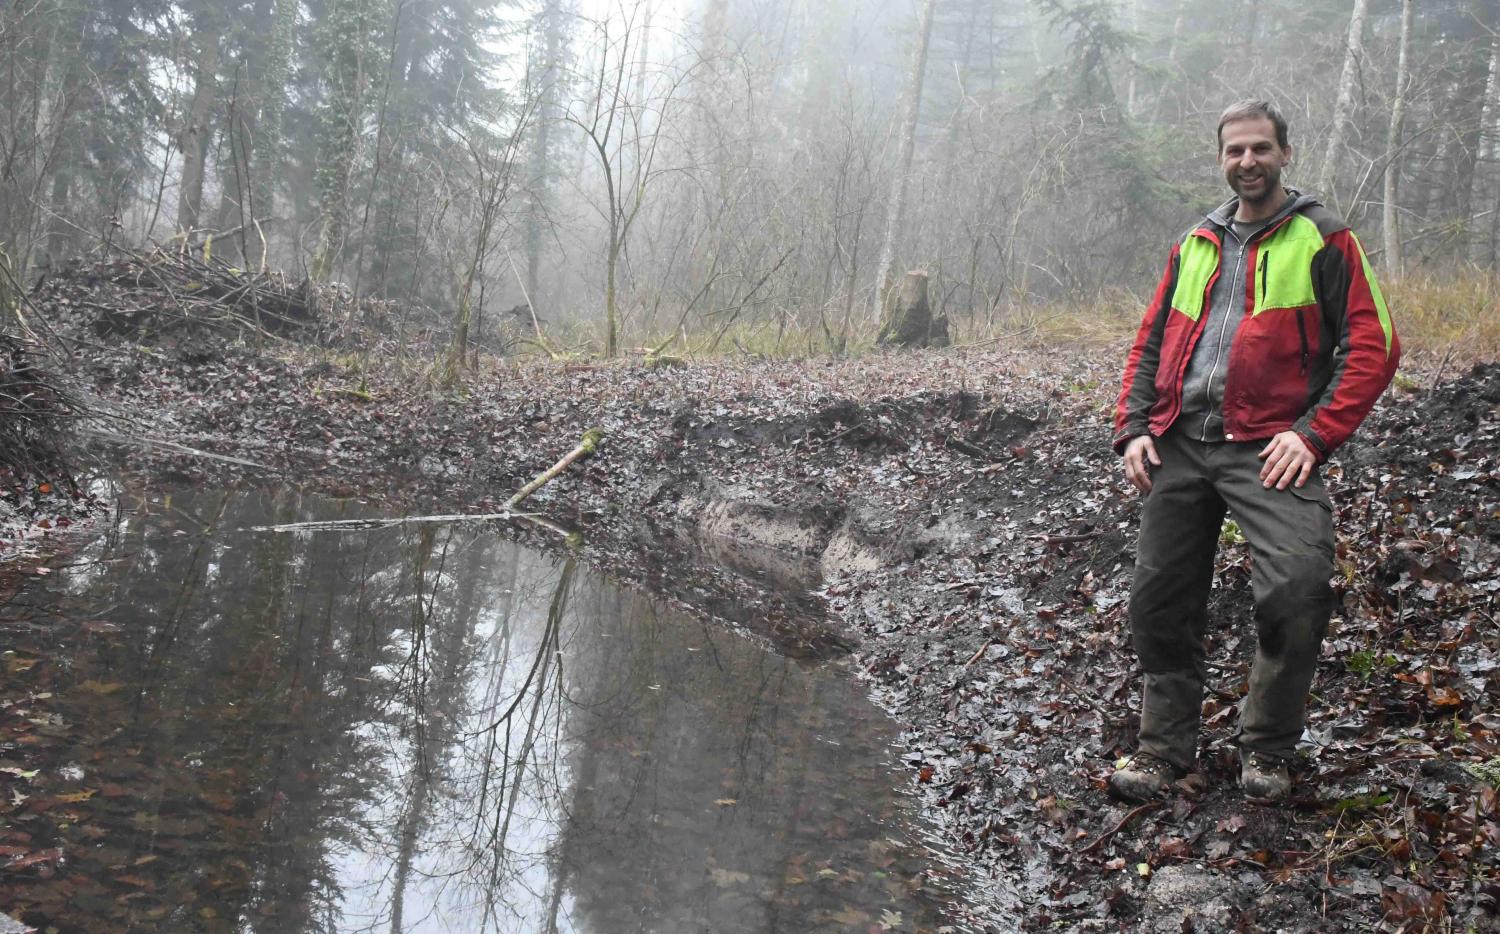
x=1138, y=452
x=1288, y=460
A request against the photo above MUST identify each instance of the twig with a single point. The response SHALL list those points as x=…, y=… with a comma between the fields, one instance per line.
x=1124, y=822
x=1048, y=539
x=975, y=657
x=170, y=446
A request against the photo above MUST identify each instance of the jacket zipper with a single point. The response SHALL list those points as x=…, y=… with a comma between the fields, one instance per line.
x=1234, y=291
x=1264, y=255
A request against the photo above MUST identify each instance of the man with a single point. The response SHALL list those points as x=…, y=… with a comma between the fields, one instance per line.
x=1265, y=346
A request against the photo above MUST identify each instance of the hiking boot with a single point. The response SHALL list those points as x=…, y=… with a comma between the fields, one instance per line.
x=1264, y=777
x=1143, y=777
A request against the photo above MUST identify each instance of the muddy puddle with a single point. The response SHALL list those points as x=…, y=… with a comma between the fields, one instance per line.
x=421, y=728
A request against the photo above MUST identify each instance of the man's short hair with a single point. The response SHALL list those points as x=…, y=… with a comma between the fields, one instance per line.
x=1251, y=109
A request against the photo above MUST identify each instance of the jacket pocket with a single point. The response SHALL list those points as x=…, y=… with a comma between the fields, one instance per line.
x=1313, y=494
x=1302, y=335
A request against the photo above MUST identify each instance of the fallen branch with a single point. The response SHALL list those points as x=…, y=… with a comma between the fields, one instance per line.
x=590, y=442
x=170, y=446
x=357, y=525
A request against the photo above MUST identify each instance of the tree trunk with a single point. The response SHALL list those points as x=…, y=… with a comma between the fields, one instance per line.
x=348, y=66
x=196, y=132
x=910, y=322
x=266, y=165
x=1344, y=103
x=1390, y=221
x=896, y=213
x=1470, y=112
x=611, y=317
x=1488, y=255
x=542, y=172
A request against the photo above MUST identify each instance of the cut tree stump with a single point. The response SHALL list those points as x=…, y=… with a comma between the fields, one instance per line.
x=908, y=320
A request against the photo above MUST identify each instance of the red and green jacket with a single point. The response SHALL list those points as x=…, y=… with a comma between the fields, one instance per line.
x=1313, y=352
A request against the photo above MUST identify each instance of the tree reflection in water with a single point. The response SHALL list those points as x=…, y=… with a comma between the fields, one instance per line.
x=430, y=728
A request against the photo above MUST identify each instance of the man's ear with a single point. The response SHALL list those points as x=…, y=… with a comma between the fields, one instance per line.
x=1286, y=156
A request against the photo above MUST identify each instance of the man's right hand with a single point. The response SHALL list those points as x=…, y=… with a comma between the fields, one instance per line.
x=1140, y=457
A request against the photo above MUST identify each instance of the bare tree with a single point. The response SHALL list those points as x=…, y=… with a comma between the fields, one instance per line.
x=493, y=154
x=1344, y=104
x=624, y=137
x=900, y=186
x=1390, y=220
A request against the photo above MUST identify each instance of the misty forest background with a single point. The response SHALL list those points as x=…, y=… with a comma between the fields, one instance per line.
x=741, y=173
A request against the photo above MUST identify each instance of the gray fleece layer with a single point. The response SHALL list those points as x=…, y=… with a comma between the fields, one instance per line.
x=1202, y=416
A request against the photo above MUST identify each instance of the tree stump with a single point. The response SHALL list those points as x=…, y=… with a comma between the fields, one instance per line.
x=908, y=320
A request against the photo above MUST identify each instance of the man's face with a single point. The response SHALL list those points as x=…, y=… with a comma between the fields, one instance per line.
x=1252, y=160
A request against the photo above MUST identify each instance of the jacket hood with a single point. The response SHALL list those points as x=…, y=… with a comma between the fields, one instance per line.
x=1224, y=213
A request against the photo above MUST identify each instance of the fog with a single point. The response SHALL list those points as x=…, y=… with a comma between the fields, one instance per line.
x=740, y=173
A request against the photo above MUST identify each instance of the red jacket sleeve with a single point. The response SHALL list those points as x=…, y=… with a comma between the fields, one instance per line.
x=1138, y=395
x=1366, y=350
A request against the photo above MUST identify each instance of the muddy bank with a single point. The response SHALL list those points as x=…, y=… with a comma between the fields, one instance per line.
x=969, y=538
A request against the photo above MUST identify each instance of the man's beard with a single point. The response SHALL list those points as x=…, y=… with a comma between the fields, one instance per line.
x=1269, y=190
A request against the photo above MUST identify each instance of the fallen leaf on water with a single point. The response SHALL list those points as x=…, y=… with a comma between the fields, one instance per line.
x=889, y=920
x=851, y=916
x=724, y=878
x=20, y=773
x=36, y=859
x=76, y=796
x=726, y=802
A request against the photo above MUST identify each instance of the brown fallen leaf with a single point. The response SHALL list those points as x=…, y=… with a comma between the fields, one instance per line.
x=100, y=687
x=40, y=858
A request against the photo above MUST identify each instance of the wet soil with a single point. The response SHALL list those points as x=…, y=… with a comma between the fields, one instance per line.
x=960, y=526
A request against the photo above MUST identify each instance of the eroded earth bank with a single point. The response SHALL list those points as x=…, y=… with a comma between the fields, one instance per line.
x=955, y=526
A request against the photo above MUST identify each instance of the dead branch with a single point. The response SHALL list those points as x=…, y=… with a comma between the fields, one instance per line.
x=587, y=446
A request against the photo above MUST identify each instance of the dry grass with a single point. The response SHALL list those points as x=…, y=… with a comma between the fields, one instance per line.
x=1450, y=316
x=1446, y=320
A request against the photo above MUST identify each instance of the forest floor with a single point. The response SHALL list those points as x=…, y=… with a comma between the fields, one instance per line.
x=957, y=521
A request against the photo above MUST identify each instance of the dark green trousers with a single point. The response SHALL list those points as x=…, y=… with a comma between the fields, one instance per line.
x=1290, y=533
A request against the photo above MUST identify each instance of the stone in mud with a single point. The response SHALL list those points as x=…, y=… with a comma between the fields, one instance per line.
x=1189, y=898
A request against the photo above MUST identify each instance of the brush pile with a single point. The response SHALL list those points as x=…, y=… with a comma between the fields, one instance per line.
x=36, y=408
x=170, y=292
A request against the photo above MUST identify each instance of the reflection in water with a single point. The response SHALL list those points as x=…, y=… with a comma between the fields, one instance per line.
x=423, y=728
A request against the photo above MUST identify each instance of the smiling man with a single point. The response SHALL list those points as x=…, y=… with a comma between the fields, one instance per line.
x=1265, y=346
